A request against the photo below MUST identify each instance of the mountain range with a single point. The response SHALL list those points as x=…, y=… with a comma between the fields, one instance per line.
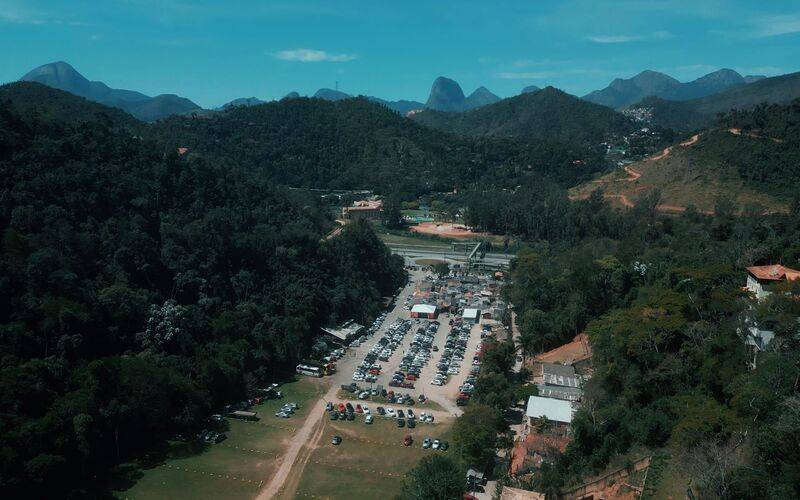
x=698, y=113
x=548, y=114
x=625, y=92
x=62, y=76
x=445, y=95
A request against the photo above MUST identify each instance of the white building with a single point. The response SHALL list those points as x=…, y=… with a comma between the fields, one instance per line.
x=555, y=410
x=471, y=315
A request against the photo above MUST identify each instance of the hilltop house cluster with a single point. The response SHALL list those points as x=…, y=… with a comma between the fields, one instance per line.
x=559, y=376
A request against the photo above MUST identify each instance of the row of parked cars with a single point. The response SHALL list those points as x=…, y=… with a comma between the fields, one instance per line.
x=383, y=349
x=453, y=354
x=416, y=357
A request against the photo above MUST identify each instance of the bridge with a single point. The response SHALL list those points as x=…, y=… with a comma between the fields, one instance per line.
x=472, y=259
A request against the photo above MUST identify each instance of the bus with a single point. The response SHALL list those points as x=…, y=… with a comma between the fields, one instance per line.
x=311, y=371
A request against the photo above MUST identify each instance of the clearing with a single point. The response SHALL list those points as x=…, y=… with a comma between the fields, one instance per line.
x=234, y=468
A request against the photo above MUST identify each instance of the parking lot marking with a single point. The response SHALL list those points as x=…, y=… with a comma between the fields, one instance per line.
x=356, y=469
x=212, y=474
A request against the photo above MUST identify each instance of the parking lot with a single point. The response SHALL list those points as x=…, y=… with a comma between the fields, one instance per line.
x=414, y=347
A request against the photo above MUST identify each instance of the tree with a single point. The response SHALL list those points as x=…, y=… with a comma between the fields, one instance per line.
x=441, y=269
x=391, y=214
x=436, y=477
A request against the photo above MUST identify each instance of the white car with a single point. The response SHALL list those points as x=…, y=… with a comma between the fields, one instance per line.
x=368, y=419
x=366, y=410
x=390, y=412
x=435, y=444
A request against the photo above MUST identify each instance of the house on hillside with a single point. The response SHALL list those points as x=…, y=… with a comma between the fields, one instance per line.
x=761, y=280
x=557, y=411
x=572, y=394
x=560, y=375
x=577, y=353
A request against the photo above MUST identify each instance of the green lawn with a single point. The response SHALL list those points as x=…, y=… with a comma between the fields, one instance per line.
x=234, y=468
x=370, y=462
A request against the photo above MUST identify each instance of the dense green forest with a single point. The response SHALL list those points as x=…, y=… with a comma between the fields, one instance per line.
x=357, y=144
x=547, y=114
x=140, y=290
x=661, y=300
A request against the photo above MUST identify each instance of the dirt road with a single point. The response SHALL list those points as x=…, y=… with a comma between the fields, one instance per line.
x=306, y=436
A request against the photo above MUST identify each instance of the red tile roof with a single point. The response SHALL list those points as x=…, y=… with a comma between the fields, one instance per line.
x=567, y=354
x=773, y=272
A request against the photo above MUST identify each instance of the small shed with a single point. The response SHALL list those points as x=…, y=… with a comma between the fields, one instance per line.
x=472, y=315
x=427, y=311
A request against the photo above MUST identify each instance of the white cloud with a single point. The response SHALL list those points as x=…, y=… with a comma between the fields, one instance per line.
x=613, y=38
x=656, y=35
x=311, y=55
x=777, y=25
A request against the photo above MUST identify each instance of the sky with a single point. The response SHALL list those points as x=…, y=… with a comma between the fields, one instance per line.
x=215, y=51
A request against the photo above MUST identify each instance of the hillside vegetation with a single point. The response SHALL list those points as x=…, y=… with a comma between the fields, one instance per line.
x=547, y=114
x=354, y=143
x=139, y=291
x=31, y=99
x=702, y=112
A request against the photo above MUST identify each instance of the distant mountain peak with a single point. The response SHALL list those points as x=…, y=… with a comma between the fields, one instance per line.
x=625, y=92
x=529, y=89
x=63, y=76
x=331, y=94
x=480, y=97
x=446, y=95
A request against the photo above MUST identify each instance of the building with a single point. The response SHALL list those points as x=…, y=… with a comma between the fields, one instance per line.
x=471, y=315
x=761, y=280
x=577, y=353
x=572, y=394
x=344, y=332
x=363, y=209
x=560, y=375
x=426, y=311
x=554, y=410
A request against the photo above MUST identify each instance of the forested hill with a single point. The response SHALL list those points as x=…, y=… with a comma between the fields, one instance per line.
x=700, y=113
x=354, y=143
x=139, y=291
x=547, y=114
x=32, y=99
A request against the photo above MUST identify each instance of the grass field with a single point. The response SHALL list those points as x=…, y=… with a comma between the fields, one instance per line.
x=371, y=461
x=234, y=468
x=410, y=240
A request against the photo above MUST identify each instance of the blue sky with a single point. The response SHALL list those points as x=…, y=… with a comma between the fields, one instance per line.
x=214, y=51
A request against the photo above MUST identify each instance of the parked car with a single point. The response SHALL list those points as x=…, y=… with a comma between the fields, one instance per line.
x=408, y=440
x=426, y=443
x=444, y=446
x=435, y=444
x=401, y=422
x=368, y=419
x=336, y=440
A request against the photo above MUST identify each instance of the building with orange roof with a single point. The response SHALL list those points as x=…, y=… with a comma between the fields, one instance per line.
x=577, y=353
x=363, y=209
x=761, y=280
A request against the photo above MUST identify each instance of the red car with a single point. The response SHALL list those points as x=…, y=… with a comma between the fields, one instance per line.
x=375, y=371
x=408, y=440
x=341, y=408
x=359, y=409
x=411, y=377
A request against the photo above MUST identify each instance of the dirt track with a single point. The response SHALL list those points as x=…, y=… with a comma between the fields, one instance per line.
x=306, y=437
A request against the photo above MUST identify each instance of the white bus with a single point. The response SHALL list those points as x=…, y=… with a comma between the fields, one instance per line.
x=311, y=371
